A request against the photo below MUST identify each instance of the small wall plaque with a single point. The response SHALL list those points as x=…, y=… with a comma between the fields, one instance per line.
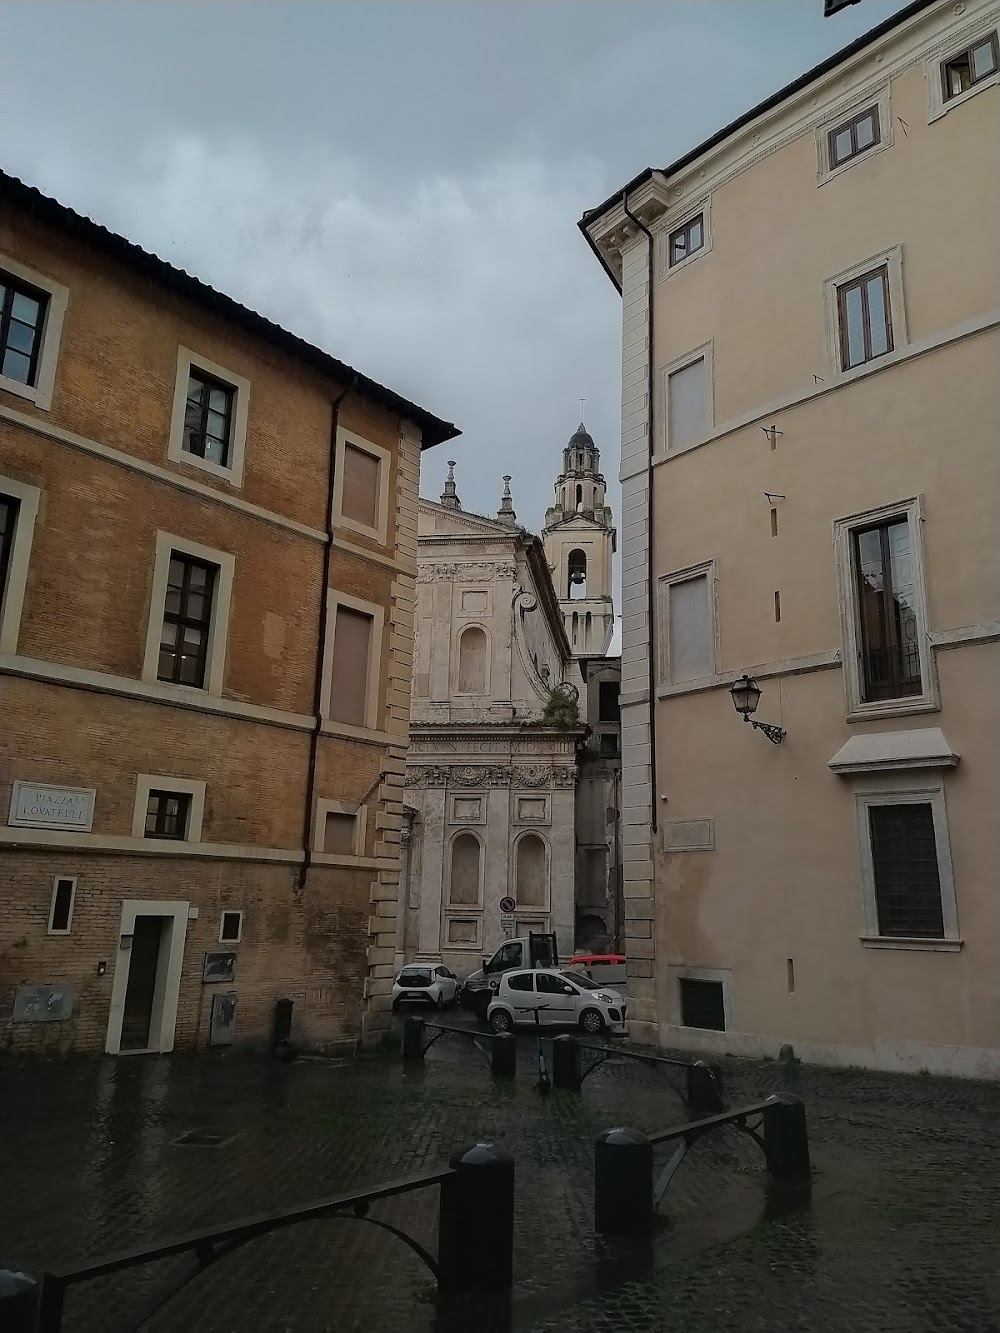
x=219, y=966
x=43, y=1004
x=42, y=805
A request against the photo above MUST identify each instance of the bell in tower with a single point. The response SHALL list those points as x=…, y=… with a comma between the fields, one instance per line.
x=580, y=543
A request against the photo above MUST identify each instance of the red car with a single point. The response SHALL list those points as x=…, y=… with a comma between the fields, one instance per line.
x=605, y=967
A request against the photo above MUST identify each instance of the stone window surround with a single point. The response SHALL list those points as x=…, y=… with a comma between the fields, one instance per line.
x=166, y=544
x=680, y=219
x=56, y=881
x=360, y=813
x=663, y=584
x=929, y=698
x=232, y=472
x=40, y=393
x=705, y=352
x=377, y=533
x=938, y=57
x=892, y=259
x=193, y=787
x=231, y=911
x=463, y=909
x=905, y=788
x=682, y=972
x=484, y=693
x=533, y=909
x=12, y=596
x=876, y=97
x=331, y=726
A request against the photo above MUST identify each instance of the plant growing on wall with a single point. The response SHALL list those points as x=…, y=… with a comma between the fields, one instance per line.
x=562, y=708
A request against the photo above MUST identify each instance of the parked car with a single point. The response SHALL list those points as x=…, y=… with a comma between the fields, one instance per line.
x=428, y=984
x=563, y=999
x=607, y=968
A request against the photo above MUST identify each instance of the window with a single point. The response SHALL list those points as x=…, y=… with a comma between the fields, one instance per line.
x=854, y=136
x=608, y=692
x=887, y=610
x=465, y=867
x=702, y=1004
x=576, y=583
x=532, y=889
x=686, y=240
x=521, y=981
x=472, y=661
x=609, y=743
x=687, y=404
x=352, y=647
x=167, y=814
x=688, y=651
x=864, y=318
x=361, y=486
x=61, y=907
x=905, y=871
x=187, y=621
x=547, y=984
x=18, y=510
x=231, y=927
x=339, y=834
x=9, y=507
x=208, y=418
x=22, y=320
x=970, y=67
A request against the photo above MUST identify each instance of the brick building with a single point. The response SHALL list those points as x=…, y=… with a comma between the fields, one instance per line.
x=207, y=555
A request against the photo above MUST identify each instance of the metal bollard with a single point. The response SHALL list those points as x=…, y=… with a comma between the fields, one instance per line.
x=704, y=1088
x=567, y=1063
x=786, y=1141
x=18, y=1299
x=413, y=1039
x=476, y=1227
x=283, y=1021
x=623, y=1183
x=503, y=1055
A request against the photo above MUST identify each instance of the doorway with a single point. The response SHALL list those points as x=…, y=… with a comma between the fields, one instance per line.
x=140, y=990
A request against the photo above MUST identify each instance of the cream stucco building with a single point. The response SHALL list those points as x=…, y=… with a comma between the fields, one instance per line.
x=490, y=785
x=809, y=451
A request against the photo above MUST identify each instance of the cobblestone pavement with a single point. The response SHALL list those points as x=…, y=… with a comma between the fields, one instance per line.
x=903, y=1232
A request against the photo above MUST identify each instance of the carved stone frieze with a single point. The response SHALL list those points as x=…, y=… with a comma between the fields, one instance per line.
x=479, y=571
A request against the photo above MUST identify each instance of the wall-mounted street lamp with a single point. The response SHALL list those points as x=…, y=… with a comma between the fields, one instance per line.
x=746, y=697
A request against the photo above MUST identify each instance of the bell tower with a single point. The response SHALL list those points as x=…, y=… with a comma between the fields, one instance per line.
x=580, y=542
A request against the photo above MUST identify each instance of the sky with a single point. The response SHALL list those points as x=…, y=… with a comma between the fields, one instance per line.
x=399, y=181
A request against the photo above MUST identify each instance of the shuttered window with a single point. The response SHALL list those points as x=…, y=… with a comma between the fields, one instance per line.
x=905, y=866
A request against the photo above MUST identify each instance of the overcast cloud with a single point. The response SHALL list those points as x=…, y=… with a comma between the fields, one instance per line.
x=400, y=182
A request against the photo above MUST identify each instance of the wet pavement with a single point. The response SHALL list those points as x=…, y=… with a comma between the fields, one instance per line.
x=902, y=1232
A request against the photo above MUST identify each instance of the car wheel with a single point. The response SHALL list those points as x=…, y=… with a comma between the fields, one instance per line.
x=501, y=1022
x=592, y=1022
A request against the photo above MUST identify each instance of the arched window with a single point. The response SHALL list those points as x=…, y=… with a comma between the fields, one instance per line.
x=464, y=889
x=472, y=661
x=577, y=588
x=579, y=498
x=532, y=889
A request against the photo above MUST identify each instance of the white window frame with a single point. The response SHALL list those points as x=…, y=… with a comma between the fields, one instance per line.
x=892, y=260
x=215, y=663
x=40, y=393
x=721, y=975
x=935, y=60
x=704, y=207
x=901, y=788
x=703, y=353
x=877, y=98
x=664, y=584
x=360, y=813
x=485, y=693
x=379, y=532
x=336, y=598
x=12, y=595
x=56, y=881
x=465, y=909
x=231, y=911
x=193, y=787
x=232, y=472
x=858, y=709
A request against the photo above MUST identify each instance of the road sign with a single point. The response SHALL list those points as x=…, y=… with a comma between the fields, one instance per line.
x=507, y=906
x=507, y=924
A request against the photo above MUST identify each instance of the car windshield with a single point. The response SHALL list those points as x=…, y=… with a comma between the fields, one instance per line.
x=582, y=980
x=415, y=977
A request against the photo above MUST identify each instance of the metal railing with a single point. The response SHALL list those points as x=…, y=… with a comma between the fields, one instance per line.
x=498, y=1049
x=703, y=1082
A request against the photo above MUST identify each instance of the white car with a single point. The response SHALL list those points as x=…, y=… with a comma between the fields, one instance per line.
x=562, y=998
x=429, y=984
